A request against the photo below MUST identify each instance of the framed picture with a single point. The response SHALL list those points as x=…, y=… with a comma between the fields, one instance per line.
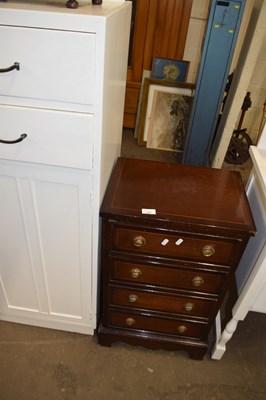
x=145, y=74
x=169, y=120
x=169, y=69
x=149, y=87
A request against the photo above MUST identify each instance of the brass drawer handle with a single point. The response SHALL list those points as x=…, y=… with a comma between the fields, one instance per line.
x=198, y=281
x=135, y=273
x=133, y=298
x=207, y=251
x=130, y=321
x=139, y=241
x=181, y=329
x=189, y=306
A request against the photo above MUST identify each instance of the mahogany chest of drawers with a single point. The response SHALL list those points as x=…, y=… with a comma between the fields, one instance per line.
x=172, y=237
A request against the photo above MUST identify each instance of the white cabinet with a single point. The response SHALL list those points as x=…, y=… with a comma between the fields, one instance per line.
x=66, y=97
x=45, y=246
x=251, y=272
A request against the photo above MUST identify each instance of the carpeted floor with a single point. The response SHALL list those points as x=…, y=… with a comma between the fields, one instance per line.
x=130, y=148
x=44, y=364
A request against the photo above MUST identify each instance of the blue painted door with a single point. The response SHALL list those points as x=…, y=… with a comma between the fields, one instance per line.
x=221, y=34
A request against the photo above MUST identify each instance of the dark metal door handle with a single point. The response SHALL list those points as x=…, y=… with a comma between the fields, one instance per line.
x=22, y=137
x=14, y=66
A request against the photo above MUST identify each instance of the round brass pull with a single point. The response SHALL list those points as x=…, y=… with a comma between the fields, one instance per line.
x=189, y=306
x=130, y=321
x=139, y=241
x=198, y=281
x=132, y=298
x=135, y=273
x=181, y=329
x=207, y=251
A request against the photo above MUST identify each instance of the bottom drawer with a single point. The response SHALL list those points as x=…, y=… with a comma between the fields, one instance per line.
x=155, y=324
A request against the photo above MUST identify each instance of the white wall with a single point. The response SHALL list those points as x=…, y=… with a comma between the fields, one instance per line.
x=257, y=87
x=196, y=29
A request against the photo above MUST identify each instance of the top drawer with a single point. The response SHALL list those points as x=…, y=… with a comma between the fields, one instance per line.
x=54, y=65
x=204, y=249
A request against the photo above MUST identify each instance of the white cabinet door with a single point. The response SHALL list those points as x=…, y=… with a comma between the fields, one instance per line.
x=45, y=247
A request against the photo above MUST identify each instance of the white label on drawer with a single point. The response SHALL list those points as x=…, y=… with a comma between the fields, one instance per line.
x=148, y=211
x=164, y=242
x=179, y=241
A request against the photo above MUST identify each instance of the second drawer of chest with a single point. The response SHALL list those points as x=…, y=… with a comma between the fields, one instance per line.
x=150, y=300
x=166, y=276
x=53, y=137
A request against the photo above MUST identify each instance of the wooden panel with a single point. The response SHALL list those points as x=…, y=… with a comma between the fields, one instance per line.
x=160, y=30
x=139, y=40
x=170, y=28
x=131, y=103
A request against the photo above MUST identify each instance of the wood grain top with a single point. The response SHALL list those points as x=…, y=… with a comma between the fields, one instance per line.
x=178, y=193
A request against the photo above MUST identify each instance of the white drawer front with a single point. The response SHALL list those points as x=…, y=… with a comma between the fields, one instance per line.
x=53, y=137
x=54, y=65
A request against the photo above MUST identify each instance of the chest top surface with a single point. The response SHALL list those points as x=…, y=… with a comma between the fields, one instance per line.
x=178, y=192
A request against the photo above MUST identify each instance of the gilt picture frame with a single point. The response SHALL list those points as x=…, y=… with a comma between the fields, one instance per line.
x=145, y=74
x=149, y=87
x=169, y=119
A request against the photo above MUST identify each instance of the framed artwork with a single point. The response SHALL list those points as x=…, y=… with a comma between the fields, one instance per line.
x=169, y=69
x=145, y=74
x=169, y=120
x=149, y=88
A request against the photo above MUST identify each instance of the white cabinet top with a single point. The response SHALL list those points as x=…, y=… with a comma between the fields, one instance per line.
x=53, y=14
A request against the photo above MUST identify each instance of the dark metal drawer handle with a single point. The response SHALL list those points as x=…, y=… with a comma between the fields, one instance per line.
x=8, y=69
x=22, y=137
